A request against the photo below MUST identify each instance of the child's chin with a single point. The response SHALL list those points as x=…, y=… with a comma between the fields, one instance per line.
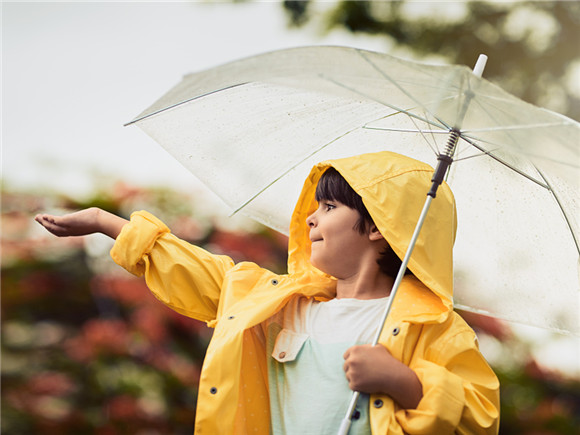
x=314, y=263
x=319, y=267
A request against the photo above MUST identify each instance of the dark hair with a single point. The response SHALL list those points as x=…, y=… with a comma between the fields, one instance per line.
x=332, y=186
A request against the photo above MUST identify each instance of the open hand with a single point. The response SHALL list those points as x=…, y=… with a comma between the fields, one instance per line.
x=80, y=223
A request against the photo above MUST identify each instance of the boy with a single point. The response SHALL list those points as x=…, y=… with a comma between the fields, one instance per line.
x=287, y=349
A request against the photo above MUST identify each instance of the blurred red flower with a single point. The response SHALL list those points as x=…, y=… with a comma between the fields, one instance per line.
x=124, y=407
x=126, y=290
x=243, y=246
x=488, y=325
x=99, y=337
x=51, y=383
x=150, y=321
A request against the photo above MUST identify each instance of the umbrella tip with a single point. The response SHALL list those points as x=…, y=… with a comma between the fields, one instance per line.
x=480, y=65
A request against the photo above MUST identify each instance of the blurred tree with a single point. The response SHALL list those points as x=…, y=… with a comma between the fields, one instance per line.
x=533, y=45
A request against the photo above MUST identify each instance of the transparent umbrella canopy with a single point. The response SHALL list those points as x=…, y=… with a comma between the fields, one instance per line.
x=252, y=129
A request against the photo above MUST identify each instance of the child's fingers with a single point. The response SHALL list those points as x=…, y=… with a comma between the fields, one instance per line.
x=40, y=218
x=44, y=219
x=51, y=224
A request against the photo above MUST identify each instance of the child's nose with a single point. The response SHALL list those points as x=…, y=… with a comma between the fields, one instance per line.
x=310, y=221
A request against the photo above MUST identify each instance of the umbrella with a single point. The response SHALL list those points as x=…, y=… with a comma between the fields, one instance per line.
x=252, y=129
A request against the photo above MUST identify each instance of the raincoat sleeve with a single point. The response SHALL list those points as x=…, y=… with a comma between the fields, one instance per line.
x=460, y=390
x=184, y=277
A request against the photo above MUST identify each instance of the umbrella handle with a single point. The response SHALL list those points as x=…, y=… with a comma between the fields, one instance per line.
x=345, y=423
x=344, y=426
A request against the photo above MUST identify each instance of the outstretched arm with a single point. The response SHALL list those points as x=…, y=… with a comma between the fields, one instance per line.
x=80, y=223
x=184, y=277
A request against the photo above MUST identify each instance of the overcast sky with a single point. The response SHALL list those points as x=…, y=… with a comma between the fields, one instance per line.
x=74, y=73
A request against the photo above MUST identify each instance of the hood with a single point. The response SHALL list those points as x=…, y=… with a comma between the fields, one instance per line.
x=393, y=188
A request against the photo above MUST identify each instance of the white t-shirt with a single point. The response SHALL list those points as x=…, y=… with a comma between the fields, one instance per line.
x=309, y=393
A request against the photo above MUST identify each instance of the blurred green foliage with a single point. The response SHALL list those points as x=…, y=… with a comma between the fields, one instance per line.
x=536, y=402
x=531, y=45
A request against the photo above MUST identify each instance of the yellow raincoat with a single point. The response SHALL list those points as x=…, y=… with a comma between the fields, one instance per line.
x=460, y=391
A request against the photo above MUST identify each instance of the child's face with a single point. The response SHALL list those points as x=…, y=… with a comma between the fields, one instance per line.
x=337, y=247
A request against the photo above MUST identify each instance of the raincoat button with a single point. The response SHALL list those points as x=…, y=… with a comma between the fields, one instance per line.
x=396, y=331
x=378, y=403
x=281, y=355
x=274, y=282
x=231, y=317
x=213, y=390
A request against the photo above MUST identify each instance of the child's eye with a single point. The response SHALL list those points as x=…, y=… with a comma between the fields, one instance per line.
x=329, y=206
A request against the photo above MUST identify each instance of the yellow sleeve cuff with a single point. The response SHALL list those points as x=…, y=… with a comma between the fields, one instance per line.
x=136, y=240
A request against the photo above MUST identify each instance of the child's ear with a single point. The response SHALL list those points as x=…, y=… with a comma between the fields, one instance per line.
x=375, y=234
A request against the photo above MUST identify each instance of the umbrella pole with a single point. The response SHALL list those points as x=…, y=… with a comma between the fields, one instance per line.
x=444, y=161
x=346, y=421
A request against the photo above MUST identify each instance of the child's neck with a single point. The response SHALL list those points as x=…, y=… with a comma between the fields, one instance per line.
x=365, y=286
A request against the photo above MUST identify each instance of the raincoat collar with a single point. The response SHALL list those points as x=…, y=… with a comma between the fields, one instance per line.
x=393, y=188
